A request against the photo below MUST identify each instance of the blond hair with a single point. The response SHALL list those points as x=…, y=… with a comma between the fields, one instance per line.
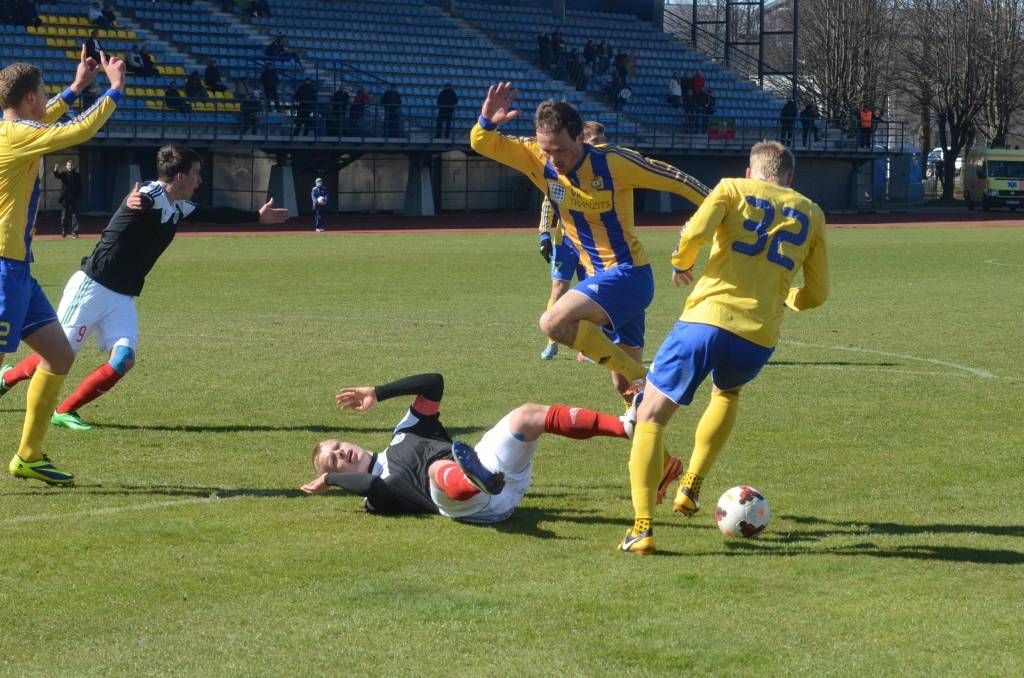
x=771, y=161
x=316, y=454
x=16, y=81
x=593, y=132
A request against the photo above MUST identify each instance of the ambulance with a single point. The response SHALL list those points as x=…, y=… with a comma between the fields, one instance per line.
x=993, y=177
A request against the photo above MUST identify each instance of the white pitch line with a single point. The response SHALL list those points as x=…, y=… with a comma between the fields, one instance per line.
x=999, y=263
x=934, y=361
x=114, y=509
x=868, y=368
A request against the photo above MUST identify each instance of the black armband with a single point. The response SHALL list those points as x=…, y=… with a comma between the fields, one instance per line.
x=430, y=386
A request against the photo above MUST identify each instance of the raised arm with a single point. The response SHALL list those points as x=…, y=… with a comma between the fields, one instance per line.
x=520, y=154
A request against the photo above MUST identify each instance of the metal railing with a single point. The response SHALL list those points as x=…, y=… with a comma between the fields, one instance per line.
x=256, y=120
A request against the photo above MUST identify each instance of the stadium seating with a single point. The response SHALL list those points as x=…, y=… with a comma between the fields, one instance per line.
x=659, y=55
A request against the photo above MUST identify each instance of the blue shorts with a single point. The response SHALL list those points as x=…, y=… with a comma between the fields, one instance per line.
x=24, y=307
x=692, y=350
x=565, y=263
x=624, y=293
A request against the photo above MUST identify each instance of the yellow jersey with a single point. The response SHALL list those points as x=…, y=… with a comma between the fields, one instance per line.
x=593, y=202
x=761, y=234
x=22, y=144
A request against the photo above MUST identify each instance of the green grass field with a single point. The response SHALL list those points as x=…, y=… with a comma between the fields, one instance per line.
x=886, y=434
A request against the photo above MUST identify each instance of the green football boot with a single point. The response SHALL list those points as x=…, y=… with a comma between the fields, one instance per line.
x=69, y=420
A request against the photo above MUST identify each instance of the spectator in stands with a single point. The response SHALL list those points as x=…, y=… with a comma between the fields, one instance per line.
x=305, y=98
x=544, y=51
x=604, y=56
x=96, y=17
x=109, y=16
x=194, y=86
x=590, y=55
x=675, y=91
x=866, y=117
x=278, y=49
x=557, y=46
x=339, y=111
x=19, y=13
x=357, y=109
x=268, y=78
x=250, y=111
x=787, y=121
x=809, y=122
x=701, y=108
x=391, y=100
x=616, y=92
x=92, y=46
x=133, y=61
x=698, y=82
x=319, y=197
x=621, y=65
x=70, y=194
x=260, y=9
x=173, y=101
x=709, y=106
x=211, y=76
x=447, y=100
x=574, y=68
x=148, y=67
x=634, y=67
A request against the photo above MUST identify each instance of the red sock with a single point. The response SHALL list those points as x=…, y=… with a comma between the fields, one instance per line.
x=578, y=423
x=101, y=380
x=22, y=371
x=454, y=482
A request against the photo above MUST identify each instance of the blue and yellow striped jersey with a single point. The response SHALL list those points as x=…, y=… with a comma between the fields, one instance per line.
x=22, y=144
x=594, y=202
x=762, y=234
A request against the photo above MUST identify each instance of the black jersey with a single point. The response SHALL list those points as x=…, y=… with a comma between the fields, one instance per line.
x=134, y=239
x=399, y=481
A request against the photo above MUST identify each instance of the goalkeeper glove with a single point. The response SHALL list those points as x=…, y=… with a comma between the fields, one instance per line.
x=545, y=246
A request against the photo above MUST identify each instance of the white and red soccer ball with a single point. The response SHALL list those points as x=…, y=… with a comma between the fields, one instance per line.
x=742, y=512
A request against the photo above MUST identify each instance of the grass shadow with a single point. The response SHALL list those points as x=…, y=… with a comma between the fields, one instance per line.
x=266, y=428
x=800, y=542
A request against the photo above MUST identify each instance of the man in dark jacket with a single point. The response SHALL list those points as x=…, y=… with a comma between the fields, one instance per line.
x=392, y=102
x=268, y=78
x=447, y=100
x=305, y=97
x=787, y=121
x=211, y=76
x=70, y=194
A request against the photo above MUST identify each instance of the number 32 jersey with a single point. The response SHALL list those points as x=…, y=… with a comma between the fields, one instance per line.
x=762, y=234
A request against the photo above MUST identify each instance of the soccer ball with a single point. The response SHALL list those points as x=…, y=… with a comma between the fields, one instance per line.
x=742, y=512
x=321, y=200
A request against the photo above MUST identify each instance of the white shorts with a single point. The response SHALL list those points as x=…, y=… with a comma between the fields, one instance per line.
x=500, y=451
x=88, y=308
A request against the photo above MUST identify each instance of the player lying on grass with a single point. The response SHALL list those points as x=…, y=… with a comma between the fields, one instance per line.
x=423, y=471
x=762, y=233
x=28, y=132
x=591, y=191
x=556, y=250
x=100, y=298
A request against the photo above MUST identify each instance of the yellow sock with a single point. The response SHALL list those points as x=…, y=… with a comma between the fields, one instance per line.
x=43, y=392
x=646, y=460
x=712, y=433
x=591, y=342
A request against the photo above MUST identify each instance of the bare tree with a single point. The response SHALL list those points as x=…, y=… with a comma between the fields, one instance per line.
x=944, y=58
x=847, y=51
x=1004, y=68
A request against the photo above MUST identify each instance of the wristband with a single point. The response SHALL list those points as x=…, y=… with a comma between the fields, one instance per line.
x=545, y=236
x=486, y=124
